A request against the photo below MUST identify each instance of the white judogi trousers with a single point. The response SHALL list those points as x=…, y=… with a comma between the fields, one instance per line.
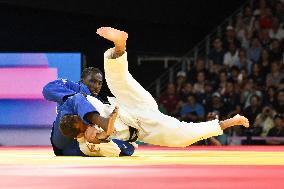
x=138, y=109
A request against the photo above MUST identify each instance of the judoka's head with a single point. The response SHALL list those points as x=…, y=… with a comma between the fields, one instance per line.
x=93, y=79
x=72, y=126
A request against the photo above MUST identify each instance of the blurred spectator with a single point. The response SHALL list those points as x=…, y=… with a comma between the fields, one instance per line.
x=191, y=110
x=198, y=87
x=243, y=78
x=180, y=81
x=265, y=62
x=242, y=61
x=275, y=51
x=269, y=96
x=169, y=99
x=231, y=99
x=198, y=67
x=186, y=90
x=277, y=130
x=254, y=50
x=242, y=32
x=279, y=11
x=234, y=73
x=206, y=98
x=214, y=73
x=255, y=30
x=248, y=17
x=281, y=85
x=216, y=55
x=276, y=75
x=230, y=38
x=260, y=6
x=264, y=120
x=217, y=106
x=253, y=109
x=276, y=32
x=266, y=19
x=248, y=91
x=279, y=103
x=223, y=77
x=231, y=56
x=264, y=38
x=256, y=75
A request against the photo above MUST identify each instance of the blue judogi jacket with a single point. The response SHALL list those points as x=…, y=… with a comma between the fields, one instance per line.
x=70, y=101
x=60, y=89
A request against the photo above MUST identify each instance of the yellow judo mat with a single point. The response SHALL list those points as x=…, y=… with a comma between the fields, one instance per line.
x=146, y=156
x=150, y=167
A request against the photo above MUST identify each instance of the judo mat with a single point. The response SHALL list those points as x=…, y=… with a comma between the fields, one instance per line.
x=151, y=167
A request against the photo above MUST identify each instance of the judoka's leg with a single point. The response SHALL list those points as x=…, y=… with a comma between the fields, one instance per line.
x=157, y=128
x=122, y=85
x=167, y=131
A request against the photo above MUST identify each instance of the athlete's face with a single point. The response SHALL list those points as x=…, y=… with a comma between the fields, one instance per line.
x=94, y=83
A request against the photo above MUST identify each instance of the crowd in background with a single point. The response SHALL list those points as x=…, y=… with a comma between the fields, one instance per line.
x=242, y=74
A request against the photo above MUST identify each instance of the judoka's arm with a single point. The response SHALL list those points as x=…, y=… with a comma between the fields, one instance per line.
x=59, y=90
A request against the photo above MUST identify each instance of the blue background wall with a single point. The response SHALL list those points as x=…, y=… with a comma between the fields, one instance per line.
x=35, y=112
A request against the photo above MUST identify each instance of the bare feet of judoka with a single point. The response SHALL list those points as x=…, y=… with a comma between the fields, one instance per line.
x=117, y=37
x=234, y=121
x=241, y=120
x=112, y=34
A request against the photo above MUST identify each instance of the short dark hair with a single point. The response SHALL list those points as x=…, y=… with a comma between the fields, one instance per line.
x=67, y=126
x=255, y=96
x=192, y=95
x=90, y=70
x=234, y=67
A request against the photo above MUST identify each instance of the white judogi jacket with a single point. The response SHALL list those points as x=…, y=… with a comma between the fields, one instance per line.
x=138, y=109
x=109, y=149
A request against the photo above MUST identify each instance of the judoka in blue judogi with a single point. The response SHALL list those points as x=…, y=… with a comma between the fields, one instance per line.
x=71, y=100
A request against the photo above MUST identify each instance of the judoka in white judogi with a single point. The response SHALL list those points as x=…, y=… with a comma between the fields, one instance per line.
x=138, y=109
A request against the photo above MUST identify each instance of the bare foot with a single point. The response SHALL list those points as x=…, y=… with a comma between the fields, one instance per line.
x=112, y=34
x=241, y=120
